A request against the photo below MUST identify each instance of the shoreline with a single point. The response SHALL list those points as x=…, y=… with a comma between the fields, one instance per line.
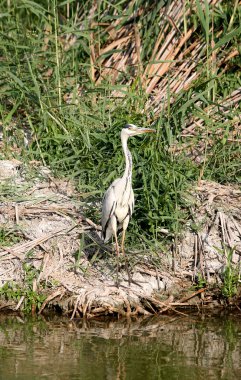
x=52, y=258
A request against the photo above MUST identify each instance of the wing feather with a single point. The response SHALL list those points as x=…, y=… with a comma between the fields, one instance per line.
x=131, y=202
x=108, y=206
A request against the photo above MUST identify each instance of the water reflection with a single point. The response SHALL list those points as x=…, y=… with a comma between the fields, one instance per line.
x=158, y=348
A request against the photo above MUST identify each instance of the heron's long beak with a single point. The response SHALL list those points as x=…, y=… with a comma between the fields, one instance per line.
x=146, y=130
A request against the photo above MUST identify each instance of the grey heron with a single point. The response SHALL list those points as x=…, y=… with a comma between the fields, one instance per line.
x=118, y=202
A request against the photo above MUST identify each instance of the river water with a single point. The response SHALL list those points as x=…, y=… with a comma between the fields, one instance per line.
x=193, y=347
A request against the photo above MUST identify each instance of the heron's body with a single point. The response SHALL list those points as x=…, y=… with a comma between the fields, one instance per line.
x=117, y=217
x=118, y=202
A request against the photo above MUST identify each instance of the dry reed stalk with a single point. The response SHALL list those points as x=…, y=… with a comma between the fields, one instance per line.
x=114, y=44
x=164, y=50
x=170, y=50
x=138, y=52
x=157, y=51
x=92, y=57
x=21, y=248
x=219, y=112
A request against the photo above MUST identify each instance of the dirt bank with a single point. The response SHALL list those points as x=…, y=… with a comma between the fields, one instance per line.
x=51, y=256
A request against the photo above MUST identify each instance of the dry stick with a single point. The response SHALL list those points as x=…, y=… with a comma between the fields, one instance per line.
x=20, y=303
x=75, y=308
x=101, y=309
x=167, y=304
x=80, y=310
x=195, y=257
x=114, y=44
x=16, y=213
x=45, y=260
x=15, y=251
x=183, y=84
x=172, y=22
x=158, y=56
x=164, y=67
x=46, y=210
x=50, y=297
x=119, y=20
x=151, y=307
x=221, y=218
x=150, y=66
x=128, y=307
x=153, y=74
x=92, y=224
x=158, y=279
x=11, y=251
x=85, y=306
x=179, y=76
x=92, y=56
x=167, y=307
x=30, y=245
x=119, y=66
x=107, y=68
x=200, y=250
x=138, y=53
x=164, y=52
x=29, y=238
x=7, y=305
x=181, y=304
x=108, y=64
x=123, y=30
x=184, y=299
x=176, y=311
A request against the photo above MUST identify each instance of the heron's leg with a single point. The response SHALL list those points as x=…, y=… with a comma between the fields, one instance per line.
x=123, y=242
x=116, y=245
x=124, y=226
x=124, y=254
x=117, y=252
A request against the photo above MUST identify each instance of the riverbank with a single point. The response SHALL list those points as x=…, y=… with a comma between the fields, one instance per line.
x=52, y=256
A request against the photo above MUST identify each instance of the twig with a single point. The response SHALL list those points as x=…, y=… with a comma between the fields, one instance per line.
x=51, y=297
x=184, y=299
x=20, y=303
x=195, y=257
x=16, y=213
x=75, y=307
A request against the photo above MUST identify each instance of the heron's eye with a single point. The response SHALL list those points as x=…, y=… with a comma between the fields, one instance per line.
x=127, y=126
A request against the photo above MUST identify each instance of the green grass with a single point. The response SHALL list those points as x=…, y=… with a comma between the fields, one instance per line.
x=82, y=141
x=231, y=276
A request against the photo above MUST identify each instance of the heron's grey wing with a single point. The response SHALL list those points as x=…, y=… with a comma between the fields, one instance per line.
x=131, y=202
x=108, y=207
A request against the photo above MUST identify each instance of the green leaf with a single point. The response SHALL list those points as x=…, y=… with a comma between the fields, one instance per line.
x=227, y=38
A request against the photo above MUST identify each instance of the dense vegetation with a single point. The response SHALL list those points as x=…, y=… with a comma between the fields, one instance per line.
x=74, y=72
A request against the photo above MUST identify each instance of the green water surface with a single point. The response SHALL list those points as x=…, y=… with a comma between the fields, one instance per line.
x=193, y=347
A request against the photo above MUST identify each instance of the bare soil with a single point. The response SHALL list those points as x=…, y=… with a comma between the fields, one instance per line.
x=47, y=231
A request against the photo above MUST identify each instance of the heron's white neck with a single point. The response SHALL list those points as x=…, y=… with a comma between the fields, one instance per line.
x=128, y=157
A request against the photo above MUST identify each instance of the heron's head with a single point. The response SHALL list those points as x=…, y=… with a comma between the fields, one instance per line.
x=133, y=130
